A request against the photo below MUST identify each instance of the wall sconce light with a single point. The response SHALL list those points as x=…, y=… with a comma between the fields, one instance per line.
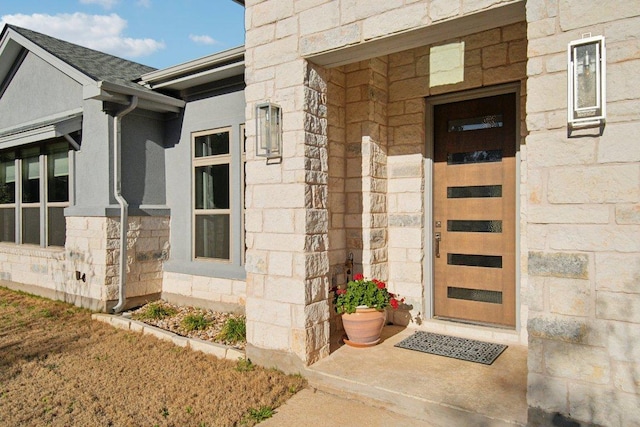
x=586, y=83
x=268, y=130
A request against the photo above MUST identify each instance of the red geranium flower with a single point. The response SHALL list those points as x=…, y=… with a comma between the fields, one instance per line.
x=381, y=285
x=358, y=276
x=341, y=291
x=394, y=303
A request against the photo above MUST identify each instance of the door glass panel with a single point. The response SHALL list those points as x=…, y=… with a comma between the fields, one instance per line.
x=212, y=236
x=474, y=191
x=491, y=261
x=481, y=156
x=479, y=295
x=31, y=226
x=212, y=187
x=212, y=144
x=475, y=123
x=475, y=226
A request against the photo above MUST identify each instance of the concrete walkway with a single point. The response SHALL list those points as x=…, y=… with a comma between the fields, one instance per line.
x=389, y=386
x=315, y=408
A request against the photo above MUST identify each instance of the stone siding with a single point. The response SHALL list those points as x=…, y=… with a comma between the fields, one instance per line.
x=85, y=271
x=583, y=197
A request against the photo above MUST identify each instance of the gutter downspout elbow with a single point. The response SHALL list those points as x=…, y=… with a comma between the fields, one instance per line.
x=124, y=206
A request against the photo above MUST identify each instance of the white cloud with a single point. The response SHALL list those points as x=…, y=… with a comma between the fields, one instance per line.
x=202, y=39
x=107, y=4
x=144, y=3
x=99, y=32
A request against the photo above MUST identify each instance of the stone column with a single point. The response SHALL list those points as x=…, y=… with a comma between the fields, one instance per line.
x=583, y=225
x=366, y=163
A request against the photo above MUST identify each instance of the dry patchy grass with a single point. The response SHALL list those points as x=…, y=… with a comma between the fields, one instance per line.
x=60, y=368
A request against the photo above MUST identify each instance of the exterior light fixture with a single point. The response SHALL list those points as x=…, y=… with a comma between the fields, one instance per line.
x=268, y=130
x=586, y=83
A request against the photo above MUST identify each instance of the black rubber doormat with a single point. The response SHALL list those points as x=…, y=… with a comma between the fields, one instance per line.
x=458, y=348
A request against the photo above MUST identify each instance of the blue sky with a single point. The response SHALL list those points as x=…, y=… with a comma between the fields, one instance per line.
x=158, y=33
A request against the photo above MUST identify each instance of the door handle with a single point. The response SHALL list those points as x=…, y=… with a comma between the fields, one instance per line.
x=438, y=237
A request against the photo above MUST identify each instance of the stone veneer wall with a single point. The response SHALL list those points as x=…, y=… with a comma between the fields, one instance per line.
x=206, y=292
x=491, y=57
x=366, y=166
x=92, y=250
x=584, y=223
x=290, y=263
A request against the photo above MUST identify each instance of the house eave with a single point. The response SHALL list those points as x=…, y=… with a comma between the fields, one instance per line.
x=218, y=66
x=46, y=128
x=118, y=94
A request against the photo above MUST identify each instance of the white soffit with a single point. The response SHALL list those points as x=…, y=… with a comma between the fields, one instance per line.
x=427, y=35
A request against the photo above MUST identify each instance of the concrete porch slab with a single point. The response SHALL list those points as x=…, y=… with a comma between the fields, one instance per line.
x=436, y=389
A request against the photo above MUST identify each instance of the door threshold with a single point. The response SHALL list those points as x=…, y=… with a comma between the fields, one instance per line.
x=483, y=332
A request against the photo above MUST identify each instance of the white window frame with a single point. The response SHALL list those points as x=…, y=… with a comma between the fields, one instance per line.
x=220, y=159
x=43, y=204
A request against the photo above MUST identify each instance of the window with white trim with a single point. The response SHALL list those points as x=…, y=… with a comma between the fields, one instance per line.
x=214, y=213
x=34, y=190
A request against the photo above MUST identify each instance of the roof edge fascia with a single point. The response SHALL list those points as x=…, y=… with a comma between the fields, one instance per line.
x=46, y=56
x=37, y=130
x=179, y=71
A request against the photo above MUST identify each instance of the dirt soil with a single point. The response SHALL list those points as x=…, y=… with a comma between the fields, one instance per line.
x=60, y=368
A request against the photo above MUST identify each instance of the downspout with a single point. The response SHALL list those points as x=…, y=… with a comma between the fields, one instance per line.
x=124, y=206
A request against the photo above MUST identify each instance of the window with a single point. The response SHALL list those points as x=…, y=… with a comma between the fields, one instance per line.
x=34, y=190
x=215, y=207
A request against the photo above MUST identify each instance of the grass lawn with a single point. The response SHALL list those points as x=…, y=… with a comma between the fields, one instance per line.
x=60, y=368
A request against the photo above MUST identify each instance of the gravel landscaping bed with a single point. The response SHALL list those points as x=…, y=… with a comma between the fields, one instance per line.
x=175, y=322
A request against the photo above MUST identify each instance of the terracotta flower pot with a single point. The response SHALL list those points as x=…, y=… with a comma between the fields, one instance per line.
x=363, y=327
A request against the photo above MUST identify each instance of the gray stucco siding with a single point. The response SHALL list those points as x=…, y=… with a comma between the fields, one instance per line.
x=93, y=163
x=222, y=111
x=36, y=91
x=143, y=158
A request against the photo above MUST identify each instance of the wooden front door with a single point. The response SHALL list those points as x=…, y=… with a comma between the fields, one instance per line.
x=474, y=210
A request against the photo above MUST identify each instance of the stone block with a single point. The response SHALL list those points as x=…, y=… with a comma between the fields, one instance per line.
x=571, y=297
x=564, y=265
x=568, y=214
x=557, y=328
x=577, y=362
x=514, y=31
x=495, y=55
x=549, y=394
x=330, y=39
x=618, y=306
x=628, y=214
x=596, y=406
x=280, y=263
x=621, y=341
x=270, y=312
x=547, y=92
x=352, y=10
x=617, y=272
x=320, y=18
x=616, y=145
x=269, y=12
x=573, y=16
x=554, y=149
x=406, y=238
x=626, y=377
x=601, y=184
x=443, y=9
x=266, y=335
x=595, y=238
